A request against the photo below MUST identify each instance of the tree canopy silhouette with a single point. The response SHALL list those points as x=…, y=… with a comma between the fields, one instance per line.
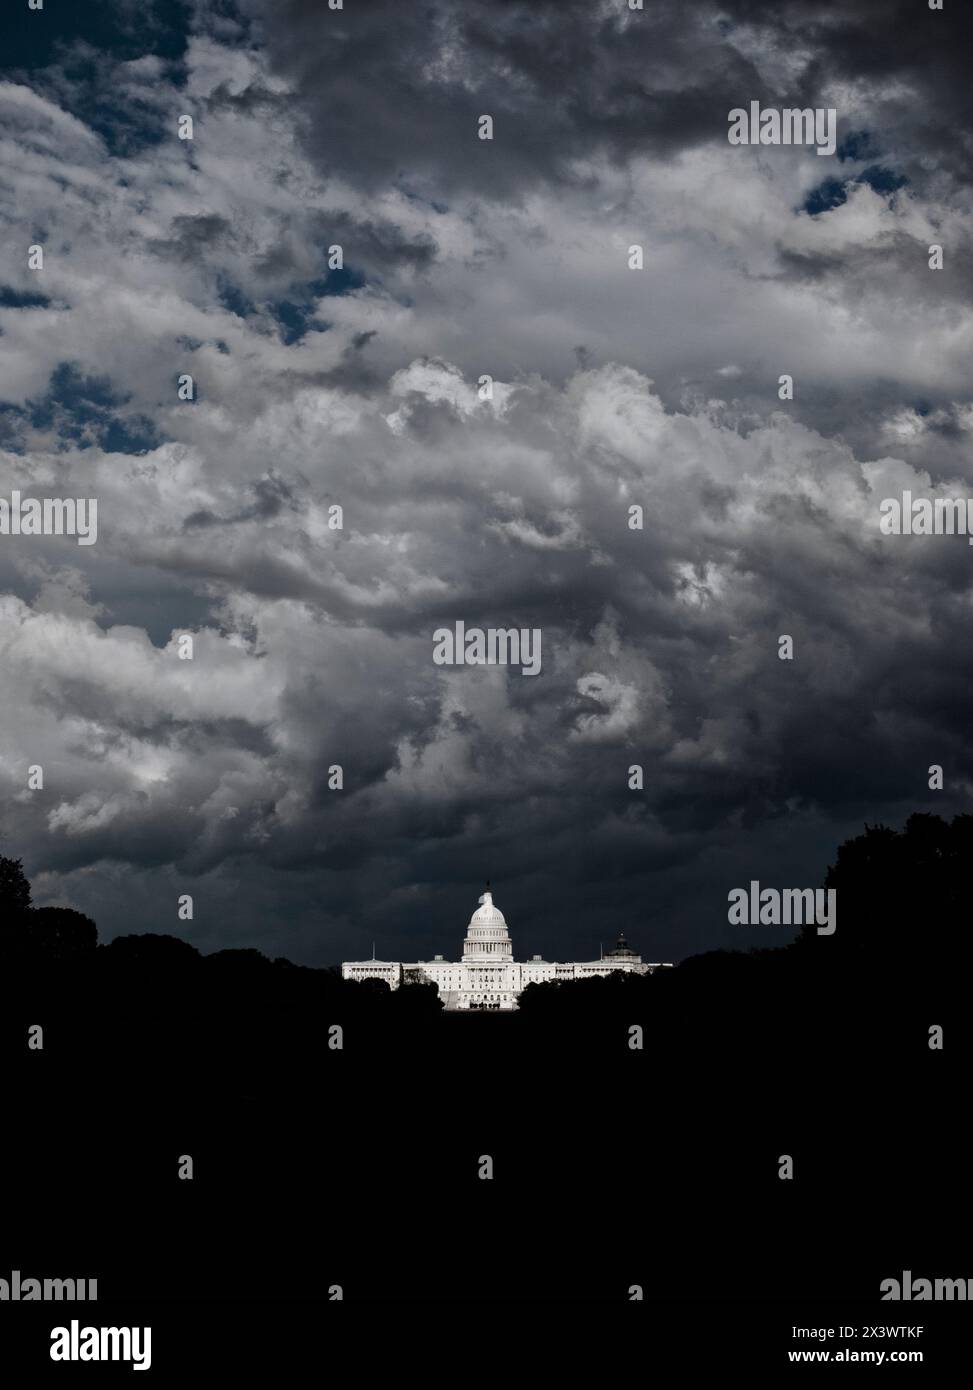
x=901, y=896
x=14, y=891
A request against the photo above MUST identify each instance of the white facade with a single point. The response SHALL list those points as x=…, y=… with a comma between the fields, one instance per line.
x=488, y=977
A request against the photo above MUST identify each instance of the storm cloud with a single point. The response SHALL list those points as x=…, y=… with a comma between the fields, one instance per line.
x=360, y=388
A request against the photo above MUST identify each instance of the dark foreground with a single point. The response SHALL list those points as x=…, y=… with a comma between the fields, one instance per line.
x=615, y=1169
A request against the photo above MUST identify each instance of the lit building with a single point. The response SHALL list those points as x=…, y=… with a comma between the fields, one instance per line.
x=488, y=977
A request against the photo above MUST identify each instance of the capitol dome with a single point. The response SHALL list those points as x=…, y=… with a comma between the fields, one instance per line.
x=486, y=936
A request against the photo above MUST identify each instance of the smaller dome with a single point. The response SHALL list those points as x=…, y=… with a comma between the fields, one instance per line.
x=621, y=948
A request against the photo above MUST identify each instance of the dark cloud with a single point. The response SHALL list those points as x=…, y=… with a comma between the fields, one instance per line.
x=270, y=496
x=191, y=237
x=394, y=93
x=359, y=388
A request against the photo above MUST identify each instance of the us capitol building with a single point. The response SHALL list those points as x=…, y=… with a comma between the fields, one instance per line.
x=488, y=977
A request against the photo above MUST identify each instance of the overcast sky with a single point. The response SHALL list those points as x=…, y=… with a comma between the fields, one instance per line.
x=358, y=388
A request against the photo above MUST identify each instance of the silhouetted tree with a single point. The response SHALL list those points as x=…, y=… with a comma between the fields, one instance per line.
x=60, y=933
x=151, y=950
x=14, y=891
x=901, y=897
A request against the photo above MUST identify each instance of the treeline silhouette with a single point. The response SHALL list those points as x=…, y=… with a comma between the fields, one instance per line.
x=232, y=1020
x=901, y=952
x=238, y=1020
